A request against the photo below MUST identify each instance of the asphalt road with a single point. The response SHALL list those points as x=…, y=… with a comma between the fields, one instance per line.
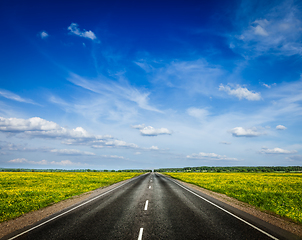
x=152, y=206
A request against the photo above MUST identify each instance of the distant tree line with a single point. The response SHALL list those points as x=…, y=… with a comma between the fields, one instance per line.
x=72, y=170
x=232, y=169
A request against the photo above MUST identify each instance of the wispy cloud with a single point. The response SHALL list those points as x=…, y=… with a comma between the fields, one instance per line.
x=296, y=158
x=112, y=156
x=43, y=34
x=278, y=31
x=9, y=95
x=8, y=146
x=116, y=91
x=198, y=113
x=24, y=160
x=74, y=29
x=154, y=148
x=73, y=152
x=276, y=151
x=45, y=162
x=195, y=77
x=241, y=92
x=139, y=126
x=211, y=156
x=58, y=100
x=286, y=99
x=268, y=86
x=115, y=143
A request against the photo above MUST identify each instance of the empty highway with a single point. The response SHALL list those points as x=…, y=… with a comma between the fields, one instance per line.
x=151, y=206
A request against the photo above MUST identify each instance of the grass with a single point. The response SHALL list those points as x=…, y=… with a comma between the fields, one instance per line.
x=28, y=191
x=279, y=193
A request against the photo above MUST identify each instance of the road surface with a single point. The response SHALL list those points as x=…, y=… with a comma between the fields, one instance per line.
x=151, y=206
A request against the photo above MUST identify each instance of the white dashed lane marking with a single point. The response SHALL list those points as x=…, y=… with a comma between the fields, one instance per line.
x=146, y=205
x=140, y=235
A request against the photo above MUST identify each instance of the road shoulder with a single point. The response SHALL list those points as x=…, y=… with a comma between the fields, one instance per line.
x=30, y=218
x=277, y=221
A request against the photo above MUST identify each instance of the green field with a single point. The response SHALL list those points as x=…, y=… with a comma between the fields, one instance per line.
x=28, y=191
x=279, y=193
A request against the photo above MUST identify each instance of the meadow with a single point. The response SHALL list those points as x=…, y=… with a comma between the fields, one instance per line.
x=278, y=193
x=22, y=192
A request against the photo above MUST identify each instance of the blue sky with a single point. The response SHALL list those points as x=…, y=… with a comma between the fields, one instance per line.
x=150, y=84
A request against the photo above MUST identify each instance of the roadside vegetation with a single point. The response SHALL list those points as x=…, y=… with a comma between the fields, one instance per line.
x=279, y=193
x=233, y=169
x=22, y=192
x=69, y=170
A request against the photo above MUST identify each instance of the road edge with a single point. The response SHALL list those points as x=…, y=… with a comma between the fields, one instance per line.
x=276, y=221
x=34, y=217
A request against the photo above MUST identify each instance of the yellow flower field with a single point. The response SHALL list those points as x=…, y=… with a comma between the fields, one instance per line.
x=280, y=193
x=22, y=192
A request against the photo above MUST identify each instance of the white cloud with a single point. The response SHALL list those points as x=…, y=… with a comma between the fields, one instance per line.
x=281, y=127
x=226, y=143
x=276, y=151
x=268, y=86
x=43, y=34
x=241, y=132
x=113, y=156
x=38, y=127
x=71, y=152
x=139, y=126
x=73, y=28
x=198, y=112
x=154, y=148
x=212, y=156
x=12, y=96
x=151, y=131
x=137, y=153
x=113, y=143
x=18, y=160
x=241, y=92
x=64, y=163
x=23, y=125
x=119, y=143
